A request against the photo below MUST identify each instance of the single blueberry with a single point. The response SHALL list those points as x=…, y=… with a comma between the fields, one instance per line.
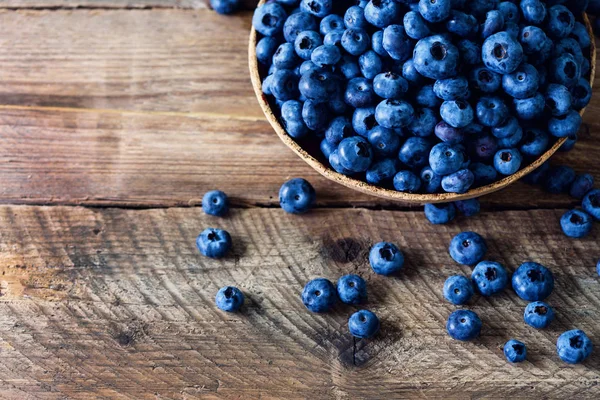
x=456, y=113
x=489, y=277
x=297, y=196
x=414, y=153
x=381, y=13
x=440, y=213
x=394, y=114
x=410, y=73
x=559, y=179
x=538, y=315
x=569, y=144
x=435, y=57
x=423, y=122
x=229, y=298
x=370, y=64
x=467, y=248
x=565, y=125
x=363, y=324
x=510, y=11
x=352, y=289
x=452, y=88
x=581, y=186
x=533, y=11
x=355, y=18
x=382, y=171
x=363, y=120
x=319, y=295
x=581, y=94
x=558, y=99
x=389, y=85
x=458, y=289
x=491, y=111
x=535, y=143
x=530, y=108
x=296, y=23
x=334, y=38
x=470, y=51
x=560, y=21
x=521, y=83
x=377, y=44
x=591, y=203
x=315, y=115
x=339, y=128
x=336, y=164
x=386, y=258
x=305, y=44
x=494, y=23
x=507, y=161
x=265, y=48
x=326, y=56
x=515, y=351
x=468, y=207
x=348, y=66
x=225, y=6
x=213, y=243
x=445, y=159
x=425, y=97
x=318, y=8
x=356, y=41
x=502, y=53
x=532, y=38
x=581, y=34
x=483, y=146
x=461, y=24
x=574, y=346
x=319, y=85
x=355, y=154
x=359, y=93
x=532, y=281
x=458, y=182
x=330, y=23
x=484, y=174
x=485, y=80
x=385, y=142
x=463, y=325
x=407, y=181
x=284, y=85
x=538, y=175
x=449, y=134
x=327, y=148
x=431, y=181
x=269, y=18
x=416, y=27
x=436, y=10
x=215, y=203
x=397, y=43
x=565, y=69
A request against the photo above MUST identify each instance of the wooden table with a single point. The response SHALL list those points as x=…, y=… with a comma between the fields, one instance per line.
x=115, y=118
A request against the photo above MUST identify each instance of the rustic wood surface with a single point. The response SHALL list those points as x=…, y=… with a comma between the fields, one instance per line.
x=134, y=109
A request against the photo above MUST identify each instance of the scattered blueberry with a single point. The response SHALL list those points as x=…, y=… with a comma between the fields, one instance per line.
x=469, y=207
x=363, y=324
x=489, y=277
x=458, y=289
x=463, y=325
x=533, y=282
x=213, y=243
x=440, y=213
x=538, y=314
x=576, y=223
x=352, y=289
x=467, y=248
x=229, y=298
x=215, y=203
x=574, y=346
x=559, y=179
x=591, y=203
x=297, y=196
x=319, y=295
x=386, y=258
x=515, y=351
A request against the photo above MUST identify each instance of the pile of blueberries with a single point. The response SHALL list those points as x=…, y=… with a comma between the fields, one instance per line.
x=429, y=95
x=531, y=281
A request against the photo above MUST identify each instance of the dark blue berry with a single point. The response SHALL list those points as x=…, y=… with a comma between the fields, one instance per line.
x=296, y=23
x=426, y=97
x=385, y=142
x=445, y=159
x=423, y=122
x=510, y=11
x=225, y=6
x=319, y=295
x=349, y=67
x=389, y=85
x=535, y=143
x=326, y=56
x=515, y=351
x=355, y=154
x=560, y=22
x=485, y=80
x=559, y=179
x=532, y=39
x=469, y=51
x=507, y=161
x=352, y=289
x=363, y=324
x=416, y=27
x=483, y=173
x=452, y=88
x=359, y=93
x=330, y=23
x=467, y=248
x=319, y=85
x=565, y=125
x=463, y=325
x=327, y=148
x=458, y=289
x=215, y=203
x=483, y=146
x=533, y=282
x=538, y=315
x=521, y=83
x=355, y=41
x=269, y=18
x=565, y=69
x=581, y=186
x=318, y=8
x=591, y=203
x=468, y=207
x=574, y=346
x=456, y=113
x=397, y=43
x=435, y=11
x=502, y=53
x=306, y=42
x=530, y=108
x=431, y=181
x=414, y=153
x=386, y=258
x=507, y=129
x=315, y=116
x=284, y=85
x=394, y=114
x=229, y=298
x=297, y=196
x=458, y=182
x=407, y=181
x=355, y=18
x=213, y=243
x=558, y=99
x=382, y=171
x=538, y=175
x=381, y=13
x=370, y=64
x=377, y=44
x=491, y=111
x=461, y=24
x=265, y=48
x=340, y=128
x=489, y=277
x=494, y=23
x=581, y=94
x=435, y=57
x=363, y=120
x=533, y=11
x=440, y=213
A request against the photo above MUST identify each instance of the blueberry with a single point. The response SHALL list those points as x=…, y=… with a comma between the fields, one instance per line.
x=407, y=181
x=416, y=27
x=382, y=171
x=565, y=69
x=431, y=181
x=410, y=73
x=591, y=203
x=469, y=51
x=269, y=18
x=522, y=83
x=215, y=203
x=576, y=223
x=318, y=8
x=445, y=159
x=336, y=105
x=284, y=85
x=297, y=196
x=580, y=34
x=458, y=289
x=339, y=129
x=501, y=53
x=511, y=141
x=381, y=13
x=458, y=182
x=483, y=173
x=509, y=128
x=581, y=186
x=435, y=11
x=452, y=88
x=363, y=120
x=485, y=80
x=397, y=43
x=491, y=111
x=306, y=42
x=461, y=24
x=363, y=324
x=535, y=143
x=225, y=6
x=386, y=258
x=533, y=11
x=463, y=325
x=467, y=248
x=468, y=207
x=440, y=213
x=574, y=346
x=569, y=144
x=533, y=282
x=356, y=41
x=265, y=49
x=532, y=39
x=581, y=94
x=423, y=123
x=515, y=351
x=489, y=277
x=319, y=295
x=315, y=116
x=449, y=134
x=355, y=154
x=510, y=11
x=558, y=99
x=307, y=67
x=483, y=146
x=213, y=243
x=359, y=93
x=414, y=153
x=538, y=175
x=327, y=148
x=297, y=23
x=291, y=113
x=494, y=23
x=481, y=7
x=336, y=163
x=560, y=22
x=385, y=142
x=319, y=85
x=568, y=45
x=425, y=97
x=334, y=38
x=370, y=64
x=326, y=56
x=507, y=161
x=559, y=179
x=377, y=44
x=229, y=298
x=435, y=57
x=348, y=66
x=530, y=108
x=355, y=18
x=352, y=289
x=538, y=315
x=565, y=125
x=456, y=113
x=394, y=114
x=328, y=24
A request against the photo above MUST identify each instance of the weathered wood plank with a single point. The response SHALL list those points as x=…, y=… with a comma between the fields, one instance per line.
x=146, y=160
x=39, y=4
x=108, y=302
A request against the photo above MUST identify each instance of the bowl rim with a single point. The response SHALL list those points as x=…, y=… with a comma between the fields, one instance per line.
x=390, y=194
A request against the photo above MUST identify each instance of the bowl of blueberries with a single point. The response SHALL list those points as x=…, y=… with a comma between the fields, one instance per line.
x=423, y=101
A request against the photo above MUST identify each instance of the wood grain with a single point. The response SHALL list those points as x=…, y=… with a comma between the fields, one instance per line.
x=102, y=4
x=118, y=303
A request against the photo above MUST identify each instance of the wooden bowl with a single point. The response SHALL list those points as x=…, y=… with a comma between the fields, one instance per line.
x=390, y=194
